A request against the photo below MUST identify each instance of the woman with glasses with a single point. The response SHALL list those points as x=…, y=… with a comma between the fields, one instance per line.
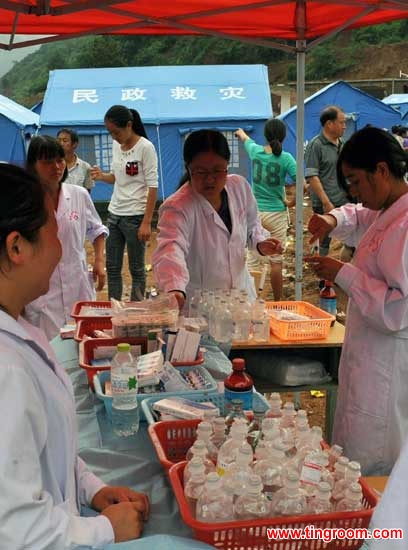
x=134, y=178
x=371, y=419
x=205, y=226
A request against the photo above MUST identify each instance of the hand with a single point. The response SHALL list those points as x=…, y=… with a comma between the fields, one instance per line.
x=109, y=495
x=325, y=267
x=96, y=173
x=98, y=273
x=320, y=225
x=290, y=202
x=126, y=520
x=179, y=297
x=241, y=134
x=269, y=247
x=144, y=232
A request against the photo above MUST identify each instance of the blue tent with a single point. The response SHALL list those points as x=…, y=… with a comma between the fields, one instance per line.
x=399, y=102
x=172, y=102
x=360, y=108
x=17, y=125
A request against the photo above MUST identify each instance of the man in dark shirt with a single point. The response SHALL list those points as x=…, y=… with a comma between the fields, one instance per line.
x=321, y=159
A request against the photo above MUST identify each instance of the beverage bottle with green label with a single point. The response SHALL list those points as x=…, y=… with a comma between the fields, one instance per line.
x=125, y=411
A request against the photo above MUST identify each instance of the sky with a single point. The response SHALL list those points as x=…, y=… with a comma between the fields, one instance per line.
x=8, y=58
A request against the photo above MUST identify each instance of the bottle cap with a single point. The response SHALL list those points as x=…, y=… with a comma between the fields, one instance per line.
x=238, y=364
x=123, y=346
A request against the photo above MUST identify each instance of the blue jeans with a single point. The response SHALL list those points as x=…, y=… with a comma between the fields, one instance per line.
x=123, y=230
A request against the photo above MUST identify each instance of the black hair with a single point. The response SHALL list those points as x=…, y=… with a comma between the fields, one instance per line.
x=329, y=113
x=369, y=146
x=120, y=115
x=275, y=133
x=44, y=148
x=72, y=134
x=203, y=141
x=22, y=205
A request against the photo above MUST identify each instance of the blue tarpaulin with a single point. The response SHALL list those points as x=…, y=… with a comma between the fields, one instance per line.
x=171, y=100
x=399, y=102
x=17, y=125
x=360, y=108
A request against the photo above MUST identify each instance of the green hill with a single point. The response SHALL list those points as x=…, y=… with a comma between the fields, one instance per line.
x=348, y=53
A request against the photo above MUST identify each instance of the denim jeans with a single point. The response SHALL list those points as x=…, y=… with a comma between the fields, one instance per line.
x=123, y=230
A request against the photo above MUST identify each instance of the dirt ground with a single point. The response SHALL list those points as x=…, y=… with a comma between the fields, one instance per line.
x=315, y=406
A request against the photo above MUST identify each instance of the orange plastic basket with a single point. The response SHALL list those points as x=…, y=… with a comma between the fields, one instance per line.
x=86, y=353
x=252, y=534
x=103, y=305
x=85, y=327
x=318, y=326
x=172, y=439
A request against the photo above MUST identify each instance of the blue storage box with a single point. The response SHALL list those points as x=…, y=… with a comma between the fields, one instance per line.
x=216, y=398
x=101, y=377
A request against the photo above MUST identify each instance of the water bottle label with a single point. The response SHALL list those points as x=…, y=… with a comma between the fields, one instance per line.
x=311, y=473
x=245, y=396
x=329, y=305
x=123, y=384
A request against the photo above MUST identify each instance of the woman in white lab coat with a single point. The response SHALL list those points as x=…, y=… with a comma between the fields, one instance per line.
x=205, y=226
x=77, y=221
x=371, y=420
x=43, y=481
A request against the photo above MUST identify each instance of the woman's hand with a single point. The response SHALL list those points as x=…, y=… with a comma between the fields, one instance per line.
x=109, y=495
x=126, y=520
x=99, y=275
x=269, y=247
x=181, y=299
x=320, y=226
x=144, y=232
x=325, y=267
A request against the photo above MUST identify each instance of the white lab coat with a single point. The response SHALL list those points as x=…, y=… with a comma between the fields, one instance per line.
x=77, y=221
x=194, y=247
x=392, y=510
x=371, y=419
x=42, y=479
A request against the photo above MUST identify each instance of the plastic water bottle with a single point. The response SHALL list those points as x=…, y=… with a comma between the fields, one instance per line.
x=253, y=504
x=125, y=411
x=214, y=504
x=223, y=324
x=193, y=309
x=328, y=298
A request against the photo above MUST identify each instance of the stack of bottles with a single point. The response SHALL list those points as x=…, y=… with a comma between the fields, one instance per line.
x=230, y=315
x=273, y=466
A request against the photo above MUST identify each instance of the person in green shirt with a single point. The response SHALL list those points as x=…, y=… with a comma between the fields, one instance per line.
x=272, y=167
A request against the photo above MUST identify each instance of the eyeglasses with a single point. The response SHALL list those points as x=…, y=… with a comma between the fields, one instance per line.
x=217, y=173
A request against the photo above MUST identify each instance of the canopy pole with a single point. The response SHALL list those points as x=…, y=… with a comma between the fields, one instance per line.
x=300, y=131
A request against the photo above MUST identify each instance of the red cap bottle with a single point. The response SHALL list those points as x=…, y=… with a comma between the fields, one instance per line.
x=239, y=385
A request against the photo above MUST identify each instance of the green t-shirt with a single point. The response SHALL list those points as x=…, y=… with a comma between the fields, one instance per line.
x=269, y=174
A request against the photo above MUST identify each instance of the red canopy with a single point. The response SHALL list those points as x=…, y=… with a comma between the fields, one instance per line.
x=257, y=20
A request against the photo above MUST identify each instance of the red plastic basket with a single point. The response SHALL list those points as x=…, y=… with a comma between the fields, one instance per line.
x=252, y=534
x=76, y=310
x=85, y=327
x=198, y=361
x=86, y=353
x=172, y=439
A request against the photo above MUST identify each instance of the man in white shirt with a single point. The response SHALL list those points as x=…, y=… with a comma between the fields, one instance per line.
x=79, y=171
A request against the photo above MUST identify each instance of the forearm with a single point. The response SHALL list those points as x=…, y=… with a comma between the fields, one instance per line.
x=99, y=246
x=107, y=177
x=150, y=205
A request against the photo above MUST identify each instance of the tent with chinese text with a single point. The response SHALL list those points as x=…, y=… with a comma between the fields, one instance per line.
x=172, y=102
